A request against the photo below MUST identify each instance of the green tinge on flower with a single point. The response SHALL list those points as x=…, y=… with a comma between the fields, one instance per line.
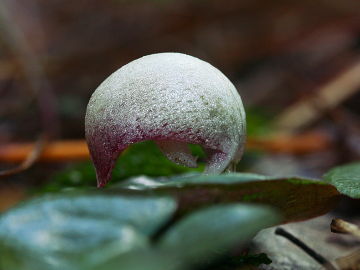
x=173, y=99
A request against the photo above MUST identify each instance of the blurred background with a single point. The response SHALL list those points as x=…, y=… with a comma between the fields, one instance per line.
x=296, y=65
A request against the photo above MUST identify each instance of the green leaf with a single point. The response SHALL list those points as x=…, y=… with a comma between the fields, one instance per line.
x=258, y=122
x=67, y=231
x=200, y=238
x=211, y=232
x=145, y=158
x=346, y=179
x=296, y=198
x=142, y=158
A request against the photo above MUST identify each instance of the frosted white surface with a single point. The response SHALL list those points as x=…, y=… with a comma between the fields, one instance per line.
x=173, y=99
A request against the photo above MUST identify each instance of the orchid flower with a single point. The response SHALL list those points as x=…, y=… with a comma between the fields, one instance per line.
x=173, y=99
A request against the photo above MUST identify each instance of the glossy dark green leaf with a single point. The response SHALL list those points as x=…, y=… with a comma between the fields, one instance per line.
x=200, y=237
x=346, y=179
x=211, y=232
x=297, y=198
x=66, y=231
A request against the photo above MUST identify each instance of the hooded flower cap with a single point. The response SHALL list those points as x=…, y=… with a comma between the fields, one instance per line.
x=173, y=99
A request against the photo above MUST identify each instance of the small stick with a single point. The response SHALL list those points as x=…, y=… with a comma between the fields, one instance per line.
x=312, y=253
x=55, y=151
x=341, y=226
x=67, y=150
x=15, y=39
x=326, y=98
x=30, y=159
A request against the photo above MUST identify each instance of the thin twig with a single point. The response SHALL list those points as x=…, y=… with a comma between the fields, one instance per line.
x=325, y=98
x=295, y=144
x=31, y=158
x=312, y=253
x=77, y=149
x=14, y=37
x=53, y=151
x=341, y=226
